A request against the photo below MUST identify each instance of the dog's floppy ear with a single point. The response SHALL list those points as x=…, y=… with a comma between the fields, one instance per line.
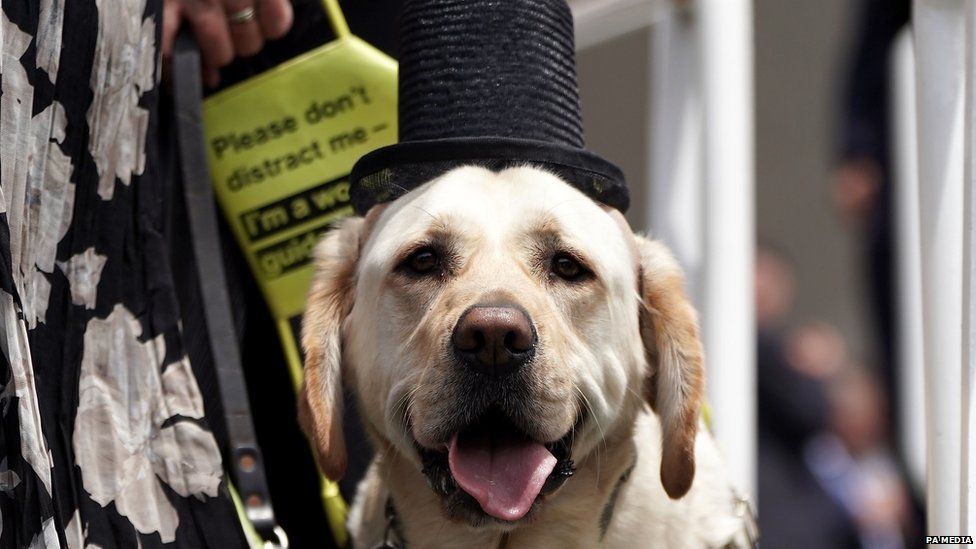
x=676, y=378
x=329, y=301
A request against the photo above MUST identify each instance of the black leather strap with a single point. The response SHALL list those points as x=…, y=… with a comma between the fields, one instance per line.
x=246, y=464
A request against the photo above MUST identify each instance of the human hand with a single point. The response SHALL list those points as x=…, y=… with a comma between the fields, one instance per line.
x=855, y=189
x=225, y=29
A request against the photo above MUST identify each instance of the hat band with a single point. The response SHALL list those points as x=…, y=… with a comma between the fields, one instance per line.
x=390, y=172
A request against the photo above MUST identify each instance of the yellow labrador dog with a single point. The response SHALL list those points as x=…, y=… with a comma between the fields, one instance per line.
x=529, y=371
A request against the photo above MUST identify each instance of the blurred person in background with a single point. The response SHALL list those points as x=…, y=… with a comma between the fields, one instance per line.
x=827, y=476
x=794, y=508
x=817, y=349
x=863, y=193
x=852, y=457
x=854, y=463
x=862, y=189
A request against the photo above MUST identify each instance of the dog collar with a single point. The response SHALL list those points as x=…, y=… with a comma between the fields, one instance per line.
x=607, y=515
x=393, y=534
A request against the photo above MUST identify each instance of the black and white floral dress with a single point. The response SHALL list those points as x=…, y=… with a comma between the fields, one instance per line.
x=104, y=439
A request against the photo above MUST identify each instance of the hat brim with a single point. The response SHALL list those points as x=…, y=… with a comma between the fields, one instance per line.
x=390, y=172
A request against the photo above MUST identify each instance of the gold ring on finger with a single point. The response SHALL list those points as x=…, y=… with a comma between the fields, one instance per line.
x=242, y=15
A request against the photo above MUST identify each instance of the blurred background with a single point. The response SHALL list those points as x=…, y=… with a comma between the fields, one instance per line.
x=832, y=470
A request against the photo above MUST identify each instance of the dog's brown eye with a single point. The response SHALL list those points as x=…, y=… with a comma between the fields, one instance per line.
x=567, y=267
x=423, y=261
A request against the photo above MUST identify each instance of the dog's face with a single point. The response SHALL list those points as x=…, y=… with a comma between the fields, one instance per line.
x=495, y=326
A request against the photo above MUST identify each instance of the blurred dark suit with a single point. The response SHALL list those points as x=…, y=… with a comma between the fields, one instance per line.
x=794, y=509
x=865, y=138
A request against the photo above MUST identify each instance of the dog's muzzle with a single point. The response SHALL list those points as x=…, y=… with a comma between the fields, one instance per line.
x=489, y=463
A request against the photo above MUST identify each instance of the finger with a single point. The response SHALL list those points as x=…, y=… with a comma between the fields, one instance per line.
x=211, y=77
x=244, y=29
x=275, y=17
x=213, y=36
x=171, y=24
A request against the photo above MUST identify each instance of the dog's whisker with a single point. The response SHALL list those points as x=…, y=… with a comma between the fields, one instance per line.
x=552, y=209
x=436, y=219
x=603, y=437
x=387, y=451
x=402, y=403
x=639, y=396
x=405, y=402
x=415, y=337
x=440, y=530
x=398, y=187
x=592, y=413
x=412, y=339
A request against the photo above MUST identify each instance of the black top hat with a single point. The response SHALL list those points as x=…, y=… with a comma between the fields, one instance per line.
x=489, y=83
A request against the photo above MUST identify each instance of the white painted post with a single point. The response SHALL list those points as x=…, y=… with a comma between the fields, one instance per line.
x=911, y=369
x=701, y=169
x=727, y=310
x=674, y=129
x=673, y=162
x=599, y=21
x=968, y=385
x=940, y=53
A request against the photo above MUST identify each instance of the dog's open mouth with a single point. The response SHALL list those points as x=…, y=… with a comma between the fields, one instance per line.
x=493, y=465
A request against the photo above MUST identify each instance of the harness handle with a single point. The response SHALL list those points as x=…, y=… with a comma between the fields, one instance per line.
x=336, y=19
x=246, y=461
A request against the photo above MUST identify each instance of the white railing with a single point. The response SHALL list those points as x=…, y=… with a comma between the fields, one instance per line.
x=701, y=204
x=599, y=21
x=911, y=371
x=967, y=394
x=946, y=99
x=700, y=168
x=728, y=323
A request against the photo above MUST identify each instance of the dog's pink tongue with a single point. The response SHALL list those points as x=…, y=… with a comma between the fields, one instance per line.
x=504, y=476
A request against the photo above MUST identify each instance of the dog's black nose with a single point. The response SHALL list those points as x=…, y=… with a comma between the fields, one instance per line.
x=493, y=339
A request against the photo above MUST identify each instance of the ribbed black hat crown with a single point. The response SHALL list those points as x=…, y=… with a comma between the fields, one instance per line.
x=490, y=83
x=480, y=68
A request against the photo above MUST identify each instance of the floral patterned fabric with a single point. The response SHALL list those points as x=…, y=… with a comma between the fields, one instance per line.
x=104, y=439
